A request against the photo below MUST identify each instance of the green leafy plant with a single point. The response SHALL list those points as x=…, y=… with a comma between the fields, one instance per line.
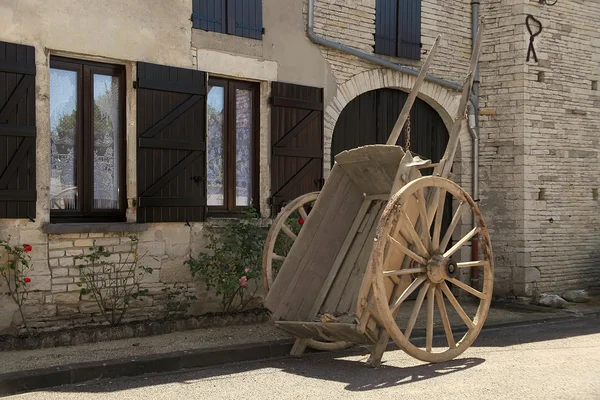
x=233, y=260
x=177, y=300
x=113, y=284
x=15, y=272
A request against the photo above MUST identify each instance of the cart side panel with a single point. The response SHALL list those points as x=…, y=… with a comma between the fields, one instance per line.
x=309, y=261
x=373, y=168
x=343, y=294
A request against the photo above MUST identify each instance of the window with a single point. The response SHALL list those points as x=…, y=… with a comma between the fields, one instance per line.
x=398, y=28
x=87, y=164
x=234, y=17
x=232, y=145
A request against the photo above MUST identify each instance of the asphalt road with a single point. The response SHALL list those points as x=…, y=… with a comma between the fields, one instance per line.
x=546, y=361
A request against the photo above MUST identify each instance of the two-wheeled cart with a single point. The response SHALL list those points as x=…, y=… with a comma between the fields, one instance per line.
x=371, y=243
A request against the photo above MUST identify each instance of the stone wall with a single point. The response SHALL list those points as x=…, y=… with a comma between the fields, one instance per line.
x=55, y=300
x=539, y=145
x=502, y=162
x=561, y=136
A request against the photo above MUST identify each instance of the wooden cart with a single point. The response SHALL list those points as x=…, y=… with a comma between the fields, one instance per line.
x=359, y=251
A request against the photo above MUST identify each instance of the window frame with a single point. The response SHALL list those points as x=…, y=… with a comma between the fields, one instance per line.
x=84, y=142
x=230, y=209
x=228, y=18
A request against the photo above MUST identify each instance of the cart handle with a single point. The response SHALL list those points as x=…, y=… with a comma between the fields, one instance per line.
x=397, y=129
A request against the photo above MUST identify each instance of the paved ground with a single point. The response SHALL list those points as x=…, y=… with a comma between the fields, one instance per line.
x=547, y=361
x=22, y=360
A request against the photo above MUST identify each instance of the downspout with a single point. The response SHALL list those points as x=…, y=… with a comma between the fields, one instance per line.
x=474, y=131
x=368, y=57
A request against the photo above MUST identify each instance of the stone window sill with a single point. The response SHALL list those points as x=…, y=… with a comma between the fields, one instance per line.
x=110, y=227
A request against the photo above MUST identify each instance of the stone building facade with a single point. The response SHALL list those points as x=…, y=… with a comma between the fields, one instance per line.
x=537, y=125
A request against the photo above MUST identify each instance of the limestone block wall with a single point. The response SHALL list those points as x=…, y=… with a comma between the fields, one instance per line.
x=561, y=134
x=352, y=23
x=55, y=300
x=502, y=142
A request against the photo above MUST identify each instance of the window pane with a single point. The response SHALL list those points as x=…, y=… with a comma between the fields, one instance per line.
x=243, y=147
x=107, y=165
x=215, y=147
x=63, y=130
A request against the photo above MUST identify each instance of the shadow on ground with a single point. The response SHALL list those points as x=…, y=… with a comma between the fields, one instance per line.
x=358, y=377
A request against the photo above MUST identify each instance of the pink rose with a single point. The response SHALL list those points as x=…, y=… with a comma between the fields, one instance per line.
x=243, y=281
x=247, y=270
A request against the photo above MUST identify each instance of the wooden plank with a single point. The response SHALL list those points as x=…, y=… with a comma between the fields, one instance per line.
x=317, y=253
x=171, y=116
x=288, y=269
x=331, y=304
x=317, y=330
x=341, y=256
x=17, y=130
x=172, y=173
x=278, y=101
x=373, y=167
x=397, y=129
x=175, y=87
x=26, y=82
x=350, y=297
x=329, y=240
x=171, y=144
x=297, y=129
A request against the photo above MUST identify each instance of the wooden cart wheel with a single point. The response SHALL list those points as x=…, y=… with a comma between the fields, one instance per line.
x=406, y=258
x=281, y=237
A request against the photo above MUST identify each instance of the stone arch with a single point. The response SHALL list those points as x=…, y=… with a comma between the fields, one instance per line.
x=445, y=102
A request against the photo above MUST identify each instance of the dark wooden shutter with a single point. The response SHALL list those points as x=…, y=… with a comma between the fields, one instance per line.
x=244, y=18
x=171, y=131
x=409, y=29
x=297, y=142
x=17, y=131
x=210, y=15
x=386, y=27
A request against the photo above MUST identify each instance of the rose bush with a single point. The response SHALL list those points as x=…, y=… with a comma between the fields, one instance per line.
x=14, y=270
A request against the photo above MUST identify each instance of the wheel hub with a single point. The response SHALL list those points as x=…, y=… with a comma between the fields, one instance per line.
x=436, y=269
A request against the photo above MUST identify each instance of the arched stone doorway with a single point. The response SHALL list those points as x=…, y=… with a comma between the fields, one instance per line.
x=370, y=117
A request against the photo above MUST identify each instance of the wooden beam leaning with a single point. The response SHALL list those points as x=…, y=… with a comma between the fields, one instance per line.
x=397, y=129
x=450, y=152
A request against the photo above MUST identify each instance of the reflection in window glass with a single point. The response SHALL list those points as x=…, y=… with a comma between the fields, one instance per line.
x=243, y=147
x=63, y=127
x=106, y=143
x=215, y=147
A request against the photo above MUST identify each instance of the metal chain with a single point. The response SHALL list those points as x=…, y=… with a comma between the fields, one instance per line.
x=407, y=137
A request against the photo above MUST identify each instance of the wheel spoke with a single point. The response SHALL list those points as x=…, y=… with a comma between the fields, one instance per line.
x=408, y=271
x=277, y=257
x=455, y=220
x=439, y=215
x=303, y=213
x=429, y=332
x=461, y=242
x=286, y=229
x=406, y=251
x=471, y=264
x=408, y=291
x=461, y=313
x=416, y=310
x=414, y=236
x=445, y=320
x=424, y=218
x=467, y=288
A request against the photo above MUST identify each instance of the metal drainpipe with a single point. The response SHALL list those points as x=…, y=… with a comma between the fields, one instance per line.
x=474, y=130
x=338, y=46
